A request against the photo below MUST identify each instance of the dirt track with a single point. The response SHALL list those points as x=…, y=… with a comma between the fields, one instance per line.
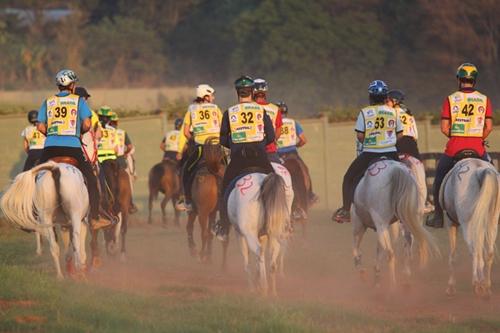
x=317, y=270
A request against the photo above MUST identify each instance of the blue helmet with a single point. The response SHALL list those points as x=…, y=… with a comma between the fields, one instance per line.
x=178, y=123
x=378, y=88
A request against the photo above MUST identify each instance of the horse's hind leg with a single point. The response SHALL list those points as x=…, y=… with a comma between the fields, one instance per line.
x=150, y=206
x=164, y=218
x=384, y=246
x=452, y=234
x=54, y=250
x=246, y=262
x=489, y=255
x=94, y=247
x=261, y=265
x=189, y=229
x=176, y=212
x=205, y=235
x=68, y=255
x=359, y=230
x=275, y=249
x=38, y=239
x=78, y=247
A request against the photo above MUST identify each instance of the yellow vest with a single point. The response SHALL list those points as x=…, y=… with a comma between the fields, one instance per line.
x=62, y=114
x=205, y=120
x=172, y=141
x=467, y=114
x=120, y=140
x=408, y=122
x=246, y=121
x=288, y=137
x=35, y=138
x=107, y=144
x=380, y=126
x=272, y=111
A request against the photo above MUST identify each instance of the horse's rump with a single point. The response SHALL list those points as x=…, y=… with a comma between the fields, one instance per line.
x=300, y=181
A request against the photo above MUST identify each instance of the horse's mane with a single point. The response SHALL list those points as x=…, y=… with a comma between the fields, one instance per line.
x=213, y=155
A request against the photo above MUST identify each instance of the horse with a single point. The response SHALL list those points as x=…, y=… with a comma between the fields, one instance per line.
x=47, y=194
x=388, y=192
x=205, y=193
x=164, y=177
x=301, y=187
x=259, y=208
x=470, y=196
x=418, y=170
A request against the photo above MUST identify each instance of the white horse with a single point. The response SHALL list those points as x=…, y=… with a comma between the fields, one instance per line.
x=49, y=193
x=261, y=202
x=388, y=192
x=470, y=196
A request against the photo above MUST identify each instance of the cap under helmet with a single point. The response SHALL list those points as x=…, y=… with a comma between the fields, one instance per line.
x=65, y=77
x=378, y=88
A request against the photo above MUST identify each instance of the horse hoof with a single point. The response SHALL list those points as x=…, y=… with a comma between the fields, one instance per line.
x=96, y=262
x=123, y=258
x=451, y=291
x=362, y=274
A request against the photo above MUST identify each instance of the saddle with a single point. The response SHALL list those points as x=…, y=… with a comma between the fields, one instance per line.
x=65, y=159
x=466, y=153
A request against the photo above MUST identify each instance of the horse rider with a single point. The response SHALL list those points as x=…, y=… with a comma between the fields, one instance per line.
x=173, y=142
x=246, y=130
x=378, y=127
x=201, y=122
x=33, y=141
x=92, y=136
x=260, y=94
x=124, y=149
x=293, y=137
x=408, y=143
x=466, y=119
x=62, y=118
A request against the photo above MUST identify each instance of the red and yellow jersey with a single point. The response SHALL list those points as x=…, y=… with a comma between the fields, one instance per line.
x=467, y=113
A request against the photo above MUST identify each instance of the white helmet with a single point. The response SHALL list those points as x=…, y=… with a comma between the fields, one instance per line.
x=203, y=90
x=65, y=77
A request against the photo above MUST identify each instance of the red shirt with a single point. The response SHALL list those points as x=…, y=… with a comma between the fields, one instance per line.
x=272, y=147
x=458, y=143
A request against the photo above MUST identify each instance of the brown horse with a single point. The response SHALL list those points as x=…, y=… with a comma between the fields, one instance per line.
x=301, y=184
x=205, y=193
x=164, y=177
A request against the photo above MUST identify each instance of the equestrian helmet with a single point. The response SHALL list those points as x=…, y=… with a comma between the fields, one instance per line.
x=243, y=82
x=66, y=77
x=203, y=90
x=33, y=116
x=283, y=107
x=260, y=85
x=396, y=95
x=104, y=111
x=378, y=88
x=82, y=92
x=467, y=71
x=178, y=123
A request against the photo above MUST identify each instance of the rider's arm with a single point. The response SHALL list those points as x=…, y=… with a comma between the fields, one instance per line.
x=445, y=118
x=187, y=125
x=488, y=123
x=300, y=135
x=268, y=129
x=41, y=124
x=26, y=145
x=399, y=127
x=279, y=124
x=162, y=144
x=360, y=127
x=86, y=125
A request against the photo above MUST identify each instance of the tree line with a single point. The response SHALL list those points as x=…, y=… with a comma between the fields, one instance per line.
x=313, y=53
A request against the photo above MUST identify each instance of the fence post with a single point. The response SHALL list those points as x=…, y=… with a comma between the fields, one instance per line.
x=324, y=119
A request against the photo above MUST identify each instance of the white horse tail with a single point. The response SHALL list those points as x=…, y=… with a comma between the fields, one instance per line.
x=17, y=203
x=405, y=195
x=486, y=207
x=273, y=197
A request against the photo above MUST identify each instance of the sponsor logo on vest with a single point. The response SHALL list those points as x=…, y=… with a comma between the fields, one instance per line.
x=369, y=124
x=370, y=113
x=457, y=98
x=455, y=109
x=481, y=109
x=234, y=118
x=385, y=112
x=63, y=102
x=474, y=99
x=462, y=120
x=52, y=102
x=391, y=123
x=242, y=128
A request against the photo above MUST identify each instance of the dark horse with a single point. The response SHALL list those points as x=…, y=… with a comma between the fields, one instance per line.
x=301, y=184
x=164, y=178
x=205, y=194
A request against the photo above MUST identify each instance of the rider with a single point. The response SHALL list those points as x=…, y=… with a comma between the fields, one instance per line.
x=408, y=143
x=172, y=143
x=292, y=137
x=273, y=111
x=93, y=135
x=466, y=119
x=246, y=129
x=124, y=149
x=63, y=117
x=34, y=141
x=378, y=127
x=201, y=122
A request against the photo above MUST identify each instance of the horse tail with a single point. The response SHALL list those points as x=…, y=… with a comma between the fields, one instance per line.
x=154, y=179
x=405, y=194
x=17, y=203
x=487, y=205
x=273, y=197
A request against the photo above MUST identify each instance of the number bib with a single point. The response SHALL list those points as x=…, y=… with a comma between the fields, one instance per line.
x=467, y=114
x=35, y=138
x=246, y=121
x=380, y=126
x=108, y=142
x=272, y=111
x=172, y=141
x=62, y=114
x=204, y=120
x=409, y=124
x=288, y=137
x=120, y=141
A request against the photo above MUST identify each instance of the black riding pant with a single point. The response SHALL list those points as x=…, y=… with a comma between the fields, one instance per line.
x=408, y=145
x=85, y=168
x=444, y=166
x=32, y=158
x=170, y=155
x=189, y=170
x=356, y=171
